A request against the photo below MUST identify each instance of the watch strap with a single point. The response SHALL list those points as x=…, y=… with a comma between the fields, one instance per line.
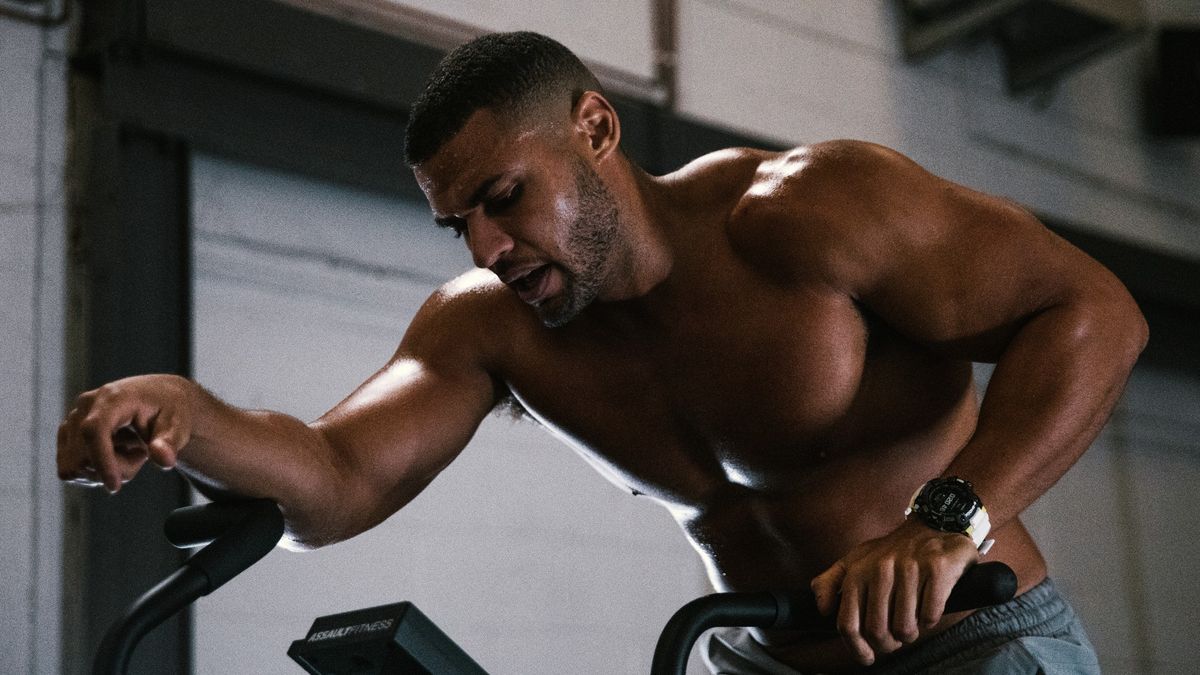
x=979, y=528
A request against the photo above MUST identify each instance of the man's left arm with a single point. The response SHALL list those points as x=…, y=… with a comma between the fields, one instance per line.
x=978, y=278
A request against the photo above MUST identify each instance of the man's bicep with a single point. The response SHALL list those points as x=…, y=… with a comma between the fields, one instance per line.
x=962, y=271
x=409, y=420
x=397, y=431
x=410, y=417
x=949, y=267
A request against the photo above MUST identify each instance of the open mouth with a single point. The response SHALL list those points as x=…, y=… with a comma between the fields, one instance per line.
x=532, y=286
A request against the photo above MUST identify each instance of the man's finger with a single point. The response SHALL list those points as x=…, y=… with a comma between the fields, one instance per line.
x=96, y=434
x=63, y=443
x=70, y=447
x=825, y=587
x=850, y=622
x=168, y=437
x=938, y=582
x=878, y=609
x=86, y=476
x=905, y=601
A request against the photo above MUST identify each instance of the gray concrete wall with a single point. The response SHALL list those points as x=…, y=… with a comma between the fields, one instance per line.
x=626, y=43
x=810, y=71
x=32, y=245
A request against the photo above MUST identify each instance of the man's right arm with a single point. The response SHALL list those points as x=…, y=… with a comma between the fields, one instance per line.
x=333, y=478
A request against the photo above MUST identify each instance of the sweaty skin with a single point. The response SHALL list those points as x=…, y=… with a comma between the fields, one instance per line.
x=777, y=347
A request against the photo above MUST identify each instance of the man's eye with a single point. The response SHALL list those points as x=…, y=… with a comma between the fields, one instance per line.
x=504, y=202
x=458, y=227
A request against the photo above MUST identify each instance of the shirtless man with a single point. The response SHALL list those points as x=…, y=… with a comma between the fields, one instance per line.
x=777, y=347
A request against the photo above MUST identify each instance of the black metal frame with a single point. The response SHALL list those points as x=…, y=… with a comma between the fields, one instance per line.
x=272, y=85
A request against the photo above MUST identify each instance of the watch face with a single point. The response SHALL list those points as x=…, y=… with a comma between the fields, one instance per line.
x=949, y=499
x=948, y=505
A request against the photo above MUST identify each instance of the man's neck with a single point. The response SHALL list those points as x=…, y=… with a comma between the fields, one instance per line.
x=645, y=257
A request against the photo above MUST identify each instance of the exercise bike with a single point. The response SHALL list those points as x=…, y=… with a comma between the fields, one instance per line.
x=398, y=639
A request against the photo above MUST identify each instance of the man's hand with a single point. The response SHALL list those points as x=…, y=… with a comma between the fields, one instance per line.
x=111, y=432
x=893, y=587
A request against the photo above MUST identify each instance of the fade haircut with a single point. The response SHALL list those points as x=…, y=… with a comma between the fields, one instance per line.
x=511, y=73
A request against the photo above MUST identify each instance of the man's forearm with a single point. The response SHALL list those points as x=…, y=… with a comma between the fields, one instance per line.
x=1050, y=394
x=258, y=453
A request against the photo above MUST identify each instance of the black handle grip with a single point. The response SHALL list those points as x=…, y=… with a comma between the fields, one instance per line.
x=241, y=533
x=981, y=585
x=250, y=530
x=199, y=525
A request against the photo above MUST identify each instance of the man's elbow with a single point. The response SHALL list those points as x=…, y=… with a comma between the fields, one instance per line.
x=1133, y=329
x=1140, y=332
x=330, y=506
x=322, y=528
x=1116, y=322
x=299, y=543
x=346, y=508
x=312, y=528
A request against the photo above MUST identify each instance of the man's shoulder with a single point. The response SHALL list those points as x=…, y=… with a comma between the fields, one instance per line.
x=746, y=177
x=806, y=207
x=819, y=175
x=474, y=286
x=473, y=298
x=470, y=316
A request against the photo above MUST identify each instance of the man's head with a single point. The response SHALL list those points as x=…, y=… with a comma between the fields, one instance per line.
x=509, y=141
x=517, y=75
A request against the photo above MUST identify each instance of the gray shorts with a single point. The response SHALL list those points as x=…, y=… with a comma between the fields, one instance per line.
x=1036, y=632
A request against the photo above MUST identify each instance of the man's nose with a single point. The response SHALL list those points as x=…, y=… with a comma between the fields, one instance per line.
x=488, y=241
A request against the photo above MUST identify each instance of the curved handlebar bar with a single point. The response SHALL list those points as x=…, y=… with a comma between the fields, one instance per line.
x=982, y=585
x=241, y=532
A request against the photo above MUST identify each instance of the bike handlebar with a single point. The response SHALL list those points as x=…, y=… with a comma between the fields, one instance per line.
x=240, y=532
x=981, y=585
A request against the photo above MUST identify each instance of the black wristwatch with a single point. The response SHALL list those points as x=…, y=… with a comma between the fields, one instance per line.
x=951, y=505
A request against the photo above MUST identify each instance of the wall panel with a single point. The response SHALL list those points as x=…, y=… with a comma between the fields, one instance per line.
x=805, y=72
x=616, y=33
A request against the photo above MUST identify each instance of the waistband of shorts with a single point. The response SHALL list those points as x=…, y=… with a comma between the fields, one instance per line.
x=1038, y=611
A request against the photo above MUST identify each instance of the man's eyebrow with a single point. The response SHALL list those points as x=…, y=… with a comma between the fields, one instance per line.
x=477, y=196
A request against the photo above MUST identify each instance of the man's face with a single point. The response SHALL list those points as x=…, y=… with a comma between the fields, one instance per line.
x=530, y=210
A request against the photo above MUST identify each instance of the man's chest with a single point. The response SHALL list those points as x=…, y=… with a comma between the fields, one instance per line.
x=744, y=381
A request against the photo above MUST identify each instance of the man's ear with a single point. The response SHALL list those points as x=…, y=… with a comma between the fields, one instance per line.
x=596, y=121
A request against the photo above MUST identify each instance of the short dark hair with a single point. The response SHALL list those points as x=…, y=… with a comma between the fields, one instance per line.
x=510, y=72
